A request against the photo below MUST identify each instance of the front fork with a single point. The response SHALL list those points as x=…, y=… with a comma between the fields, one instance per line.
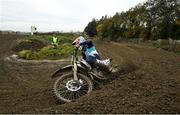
x=74, y=69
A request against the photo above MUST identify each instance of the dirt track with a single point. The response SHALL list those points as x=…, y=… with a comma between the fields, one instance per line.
x=149, y=83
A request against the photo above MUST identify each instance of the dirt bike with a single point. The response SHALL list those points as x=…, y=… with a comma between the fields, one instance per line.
x=74, y=80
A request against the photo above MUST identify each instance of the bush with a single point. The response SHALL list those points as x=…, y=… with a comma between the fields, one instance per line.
x=63, y=51
x=67, y=49
x=28, y=54
x=38, y=47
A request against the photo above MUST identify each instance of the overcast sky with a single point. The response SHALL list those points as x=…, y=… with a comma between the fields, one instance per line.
x=52, y=15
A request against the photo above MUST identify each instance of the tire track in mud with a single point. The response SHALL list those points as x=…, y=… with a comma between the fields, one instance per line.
x=127, y=59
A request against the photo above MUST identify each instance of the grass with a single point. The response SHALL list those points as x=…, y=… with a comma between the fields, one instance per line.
x=63, y=50
x=48, y=52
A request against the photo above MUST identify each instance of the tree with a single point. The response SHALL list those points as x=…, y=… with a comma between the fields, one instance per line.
x=154, y=19
x=91, y=28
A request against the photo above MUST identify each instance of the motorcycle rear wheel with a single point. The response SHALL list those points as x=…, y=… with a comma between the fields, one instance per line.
x=64, y=90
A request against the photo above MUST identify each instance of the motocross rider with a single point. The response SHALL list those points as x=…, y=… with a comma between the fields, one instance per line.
x=89, y=51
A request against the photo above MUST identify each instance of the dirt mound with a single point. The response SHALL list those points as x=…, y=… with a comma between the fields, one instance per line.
x=7, y=42
x=148, y=83
x=29, y=44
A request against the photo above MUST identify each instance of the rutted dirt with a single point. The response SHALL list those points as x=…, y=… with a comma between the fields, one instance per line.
x=31, y=44
x=149, y=82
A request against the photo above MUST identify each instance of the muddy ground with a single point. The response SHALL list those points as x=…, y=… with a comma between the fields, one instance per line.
x=149, y=82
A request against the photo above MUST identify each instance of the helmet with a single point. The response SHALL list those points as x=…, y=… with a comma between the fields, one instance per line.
x=78, y=41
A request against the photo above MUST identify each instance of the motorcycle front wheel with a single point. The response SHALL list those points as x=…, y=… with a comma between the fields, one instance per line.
x=66, y=89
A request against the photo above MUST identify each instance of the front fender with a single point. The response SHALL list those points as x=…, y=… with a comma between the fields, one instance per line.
x=67, y=68
x=60, y=71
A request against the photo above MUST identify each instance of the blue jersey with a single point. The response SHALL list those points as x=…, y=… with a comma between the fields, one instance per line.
x=89, y=48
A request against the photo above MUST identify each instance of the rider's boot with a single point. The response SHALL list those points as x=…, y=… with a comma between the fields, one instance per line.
x=104, y=64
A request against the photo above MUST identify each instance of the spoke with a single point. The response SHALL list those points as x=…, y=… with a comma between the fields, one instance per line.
x=82, y=92
x=61, y=84
x=85, y=87
x=61, y=89
x=73, y=95
x=78, y=95
x=68, y=95
x=65, y=93
x=66, y=80
x=85, y=83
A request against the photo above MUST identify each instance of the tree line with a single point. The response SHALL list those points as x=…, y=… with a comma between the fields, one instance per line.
x=151, y=20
